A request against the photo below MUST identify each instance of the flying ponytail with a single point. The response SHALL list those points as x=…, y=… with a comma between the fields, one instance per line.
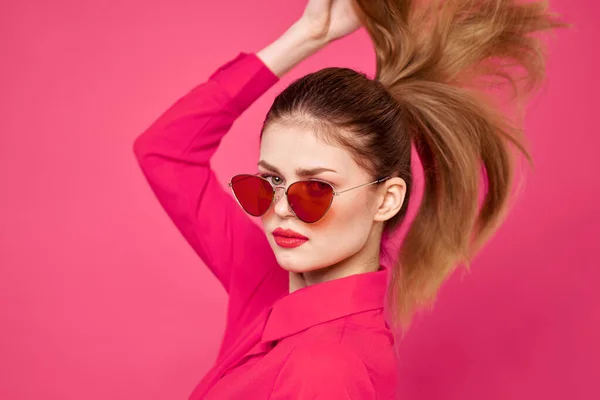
x=438, y=60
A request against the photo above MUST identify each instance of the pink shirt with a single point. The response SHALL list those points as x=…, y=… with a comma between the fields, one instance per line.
x=325, y=341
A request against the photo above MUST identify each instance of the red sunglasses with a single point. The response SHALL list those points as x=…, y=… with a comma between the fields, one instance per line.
x=309, y=200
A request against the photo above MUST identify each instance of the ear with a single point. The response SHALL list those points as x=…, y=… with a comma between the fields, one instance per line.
x=391, y=199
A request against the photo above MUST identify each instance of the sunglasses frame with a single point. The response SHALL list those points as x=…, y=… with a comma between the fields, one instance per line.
x=275, y=198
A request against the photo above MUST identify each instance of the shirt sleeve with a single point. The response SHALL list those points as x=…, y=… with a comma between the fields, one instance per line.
x=325, y=371
x=174, y=154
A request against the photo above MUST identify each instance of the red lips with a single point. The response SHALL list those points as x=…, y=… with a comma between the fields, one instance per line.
x=288, y=233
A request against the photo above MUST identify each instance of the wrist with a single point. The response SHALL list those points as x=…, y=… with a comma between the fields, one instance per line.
x=308, y=36
x=296, y=44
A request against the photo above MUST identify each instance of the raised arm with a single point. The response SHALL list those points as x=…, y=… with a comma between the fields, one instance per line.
x=175, y=152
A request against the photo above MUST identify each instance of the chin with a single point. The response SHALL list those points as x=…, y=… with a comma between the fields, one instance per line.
x=291, y=264
x=297, y=263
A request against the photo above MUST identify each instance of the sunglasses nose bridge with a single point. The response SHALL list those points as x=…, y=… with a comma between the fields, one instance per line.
x=276, y=196
x=287, y=209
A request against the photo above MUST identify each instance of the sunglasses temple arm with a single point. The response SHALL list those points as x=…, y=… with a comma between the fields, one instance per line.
x=364, y=184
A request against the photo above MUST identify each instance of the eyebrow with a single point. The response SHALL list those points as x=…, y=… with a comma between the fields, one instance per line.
x=300, y=171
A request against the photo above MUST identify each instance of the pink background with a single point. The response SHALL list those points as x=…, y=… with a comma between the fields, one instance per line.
x=100, y=298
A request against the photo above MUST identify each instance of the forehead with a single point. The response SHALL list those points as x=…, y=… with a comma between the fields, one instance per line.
x=290, y=146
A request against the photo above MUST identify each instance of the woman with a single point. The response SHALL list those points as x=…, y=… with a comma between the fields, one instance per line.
x=306, y=296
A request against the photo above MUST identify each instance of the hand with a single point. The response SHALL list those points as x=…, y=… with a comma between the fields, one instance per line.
x=329, y=20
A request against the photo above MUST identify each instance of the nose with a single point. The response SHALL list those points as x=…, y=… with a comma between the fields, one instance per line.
x=282, y=208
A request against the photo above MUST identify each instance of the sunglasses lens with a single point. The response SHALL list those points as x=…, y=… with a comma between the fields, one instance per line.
x=253, y=193
x=310, y=200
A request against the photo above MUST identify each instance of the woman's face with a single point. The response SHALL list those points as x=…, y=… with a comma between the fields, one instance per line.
x=344, y=230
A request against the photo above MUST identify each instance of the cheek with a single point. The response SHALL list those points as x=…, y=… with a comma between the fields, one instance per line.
x=349, y=210
x=339, y=235
x=347, y=221
x=267, y=219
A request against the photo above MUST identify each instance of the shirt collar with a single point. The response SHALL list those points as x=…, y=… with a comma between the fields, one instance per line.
x=326, y=301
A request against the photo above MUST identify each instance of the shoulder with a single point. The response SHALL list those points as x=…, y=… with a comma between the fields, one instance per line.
x=323, y=370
